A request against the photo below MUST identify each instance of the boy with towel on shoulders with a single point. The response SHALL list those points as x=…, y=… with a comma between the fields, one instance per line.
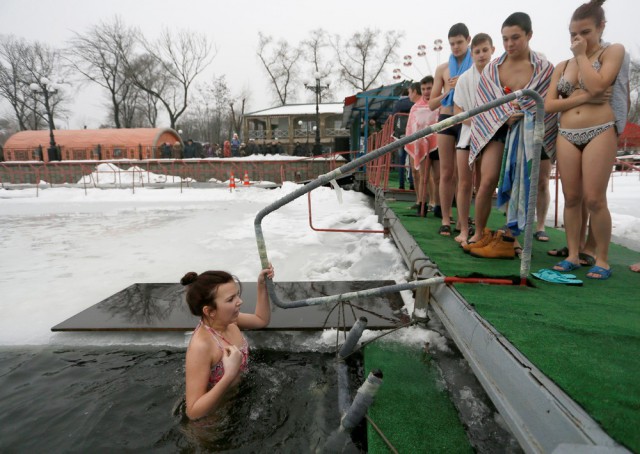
x=465, y=99
x=504, y=137
x=444, y=86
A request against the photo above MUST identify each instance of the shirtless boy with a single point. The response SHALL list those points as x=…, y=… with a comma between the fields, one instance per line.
x=444, y=85
x=518, y=68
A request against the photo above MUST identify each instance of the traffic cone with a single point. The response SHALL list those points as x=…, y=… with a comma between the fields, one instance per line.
x=232, y=182
x=246, y=182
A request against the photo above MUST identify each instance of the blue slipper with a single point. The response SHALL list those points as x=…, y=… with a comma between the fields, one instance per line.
x=556, y=277
x=565, y=266
x=603, y=272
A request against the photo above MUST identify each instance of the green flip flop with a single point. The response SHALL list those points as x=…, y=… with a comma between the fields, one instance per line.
x=556, y=277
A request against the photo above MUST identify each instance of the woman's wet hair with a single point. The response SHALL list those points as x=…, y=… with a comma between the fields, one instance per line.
x=591, y=10
x=522, y=20
x=202, y=288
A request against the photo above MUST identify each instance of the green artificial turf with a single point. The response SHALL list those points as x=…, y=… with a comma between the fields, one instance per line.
x=411, y=408
x=586, y=339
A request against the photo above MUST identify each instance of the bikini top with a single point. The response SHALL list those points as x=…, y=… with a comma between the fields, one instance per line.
x=217, y=371
x=566, y=88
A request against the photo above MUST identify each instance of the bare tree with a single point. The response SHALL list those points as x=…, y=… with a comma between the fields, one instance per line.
x=280, y=61
x=315, y=49
x=23, y=63
x=99, y=55
x=179, y=57
x=13, y=86
x=364, y=56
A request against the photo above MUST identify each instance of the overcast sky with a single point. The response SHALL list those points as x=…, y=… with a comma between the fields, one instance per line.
x=233, y=27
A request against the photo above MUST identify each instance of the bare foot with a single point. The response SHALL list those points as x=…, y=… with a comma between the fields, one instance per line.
x=462, y=238
x=635, y=267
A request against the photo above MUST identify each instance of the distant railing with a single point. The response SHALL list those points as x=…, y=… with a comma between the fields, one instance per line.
x=336, y=132
x=258, y=134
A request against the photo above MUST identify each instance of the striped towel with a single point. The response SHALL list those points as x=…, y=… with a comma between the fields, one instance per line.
x=515, y=173
x=420, y=116
x=485, y=125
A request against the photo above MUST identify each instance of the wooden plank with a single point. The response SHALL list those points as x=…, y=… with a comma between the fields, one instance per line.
x=161, y=307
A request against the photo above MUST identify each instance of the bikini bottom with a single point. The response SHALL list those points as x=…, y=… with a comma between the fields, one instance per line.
x=581, y=137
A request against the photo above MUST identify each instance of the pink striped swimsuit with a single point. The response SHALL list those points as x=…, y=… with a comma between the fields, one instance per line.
x=217, y=371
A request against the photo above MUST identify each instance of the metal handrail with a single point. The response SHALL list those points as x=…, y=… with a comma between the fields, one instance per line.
x=326, y=178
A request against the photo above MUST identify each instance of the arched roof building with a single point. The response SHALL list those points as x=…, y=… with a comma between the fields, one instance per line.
x=135, y=143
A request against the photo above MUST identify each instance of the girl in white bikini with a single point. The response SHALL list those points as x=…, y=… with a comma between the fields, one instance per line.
x=218, y=353
x=586, y=145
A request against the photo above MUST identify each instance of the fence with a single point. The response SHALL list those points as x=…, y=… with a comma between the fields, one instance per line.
x=176, y=170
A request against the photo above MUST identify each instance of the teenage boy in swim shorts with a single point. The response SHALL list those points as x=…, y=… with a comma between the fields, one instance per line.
x=444, y=86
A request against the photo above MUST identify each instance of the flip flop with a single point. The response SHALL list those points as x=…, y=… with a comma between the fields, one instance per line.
x=555, y=277
x=541, y=235
x=586, y=259
x=444, y=230
x=562, y=252
x=565, y=266
x=603, y=272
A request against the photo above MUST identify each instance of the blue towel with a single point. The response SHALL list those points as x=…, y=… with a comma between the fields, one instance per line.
x=455, y=70
x=515, y=174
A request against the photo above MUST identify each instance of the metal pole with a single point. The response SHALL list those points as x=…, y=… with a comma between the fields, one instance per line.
x=318, y=146
x=326, y=178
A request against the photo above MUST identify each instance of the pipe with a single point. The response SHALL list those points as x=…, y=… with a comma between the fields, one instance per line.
x=355, y=333
x=362, y=402
x=359, y=162
x=340, y=439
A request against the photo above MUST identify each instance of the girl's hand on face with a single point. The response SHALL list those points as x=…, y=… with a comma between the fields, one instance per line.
x=231, y=360
x=267, y=272
x=578, y=46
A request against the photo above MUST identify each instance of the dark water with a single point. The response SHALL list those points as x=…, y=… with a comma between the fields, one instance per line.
x=88, y=400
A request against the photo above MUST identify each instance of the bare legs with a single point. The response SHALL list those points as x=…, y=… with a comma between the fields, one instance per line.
x=463, y=194
x=544, y=197
x=490, y=174
x=434, y=183
x=585, y=176
x=598, y=157
x=447, y=152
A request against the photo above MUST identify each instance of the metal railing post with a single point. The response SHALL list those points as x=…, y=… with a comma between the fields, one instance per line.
x=374, y=154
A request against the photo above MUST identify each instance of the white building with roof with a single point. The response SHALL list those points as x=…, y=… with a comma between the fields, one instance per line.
x=294, y=124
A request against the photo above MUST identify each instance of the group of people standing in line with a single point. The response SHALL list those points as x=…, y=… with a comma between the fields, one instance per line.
x=233, y=148
x=586, y=100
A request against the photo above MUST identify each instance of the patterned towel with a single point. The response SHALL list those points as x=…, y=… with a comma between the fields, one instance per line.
x=420, y=116
x=515, y=173
x=485, y=125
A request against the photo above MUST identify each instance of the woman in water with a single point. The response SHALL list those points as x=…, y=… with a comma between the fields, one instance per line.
x=586, y=145
x=218, y=352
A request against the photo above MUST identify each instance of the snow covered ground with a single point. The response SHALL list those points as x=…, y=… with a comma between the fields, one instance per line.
x=63, y=251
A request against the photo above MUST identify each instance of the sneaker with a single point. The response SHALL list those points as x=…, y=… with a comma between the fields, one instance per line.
x=487, y=237
x=502, y=247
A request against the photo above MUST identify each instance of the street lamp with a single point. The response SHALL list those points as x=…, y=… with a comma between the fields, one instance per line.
x=317, y=89
x=48, y=88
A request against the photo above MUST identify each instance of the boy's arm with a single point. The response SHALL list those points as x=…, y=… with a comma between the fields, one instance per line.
x=438, y=87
